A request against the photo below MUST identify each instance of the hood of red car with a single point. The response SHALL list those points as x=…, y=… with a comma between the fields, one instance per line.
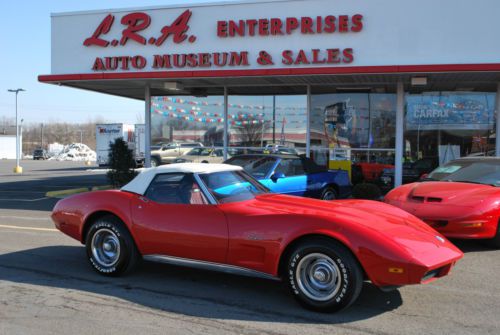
x=392, y=222
x=356, y=210
x=451, y=192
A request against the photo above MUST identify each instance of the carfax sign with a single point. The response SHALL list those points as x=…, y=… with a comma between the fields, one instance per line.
x=450, y=111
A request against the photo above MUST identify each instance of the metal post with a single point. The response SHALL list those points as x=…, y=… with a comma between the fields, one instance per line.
x=147, y=132
x=17, y=169
x=398, y=166
x=497, y=111
x=226, y=123
x=308, y=122
x=17, y=137
x=41, y=136
x=274, y=119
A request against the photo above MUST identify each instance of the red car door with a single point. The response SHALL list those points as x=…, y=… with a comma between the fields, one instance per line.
x=173, y=218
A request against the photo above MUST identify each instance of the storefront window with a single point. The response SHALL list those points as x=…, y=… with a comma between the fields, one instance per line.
x=441, y=126
x=267, y=123
x=187, y=120
x=355, y=128
x=256, y=123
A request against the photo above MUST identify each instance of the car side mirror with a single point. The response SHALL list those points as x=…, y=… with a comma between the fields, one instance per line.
x=424, y=176
x=276, y=176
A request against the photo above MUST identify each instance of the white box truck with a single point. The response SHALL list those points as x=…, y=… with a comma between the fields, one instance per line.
x=140, y=144
x=109, y=132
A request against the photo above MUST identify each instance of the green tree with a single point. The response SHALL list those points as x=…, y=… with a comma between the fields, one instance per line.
x=121, y=163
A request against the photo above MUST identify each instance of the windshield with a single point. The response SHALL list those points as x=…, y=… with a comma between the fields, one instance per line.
x=469, y=171
x=200, y=152
x=257, y=166
x=232, y=186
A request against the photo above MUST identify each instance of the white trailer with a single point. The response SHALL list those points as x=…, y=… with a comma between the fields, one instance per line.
x=109, y=132
x=140, y=143
x=8, y=147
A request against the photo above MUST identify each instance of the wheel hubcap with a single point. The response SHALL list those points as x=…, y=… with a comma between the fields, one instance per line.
x=105, y=247
x=329, y=195
x=318, y=277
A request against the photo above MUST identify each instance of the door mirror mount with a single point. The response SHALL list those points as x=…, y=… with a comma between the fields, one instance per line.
x=276, y=176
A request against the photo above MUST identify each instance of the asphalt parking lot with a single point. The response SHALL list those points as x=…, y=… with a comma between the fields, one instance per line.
x=46, y=285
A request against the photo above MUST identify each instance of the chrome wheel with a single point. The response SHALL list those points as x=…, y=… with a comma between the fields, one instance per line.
x=105, y=247
x=318, y=277
x=329, y=195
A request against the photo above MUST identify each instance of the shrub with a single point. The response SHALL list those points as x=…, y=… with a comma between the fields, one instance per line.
x=121, y=163
x=366, y=191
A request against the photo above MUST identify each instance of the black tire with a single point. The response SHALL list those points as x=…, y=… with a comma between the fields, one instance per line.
x=323, y=290
x=155, y=161
x=329, y=193
x=111, y=230
x=495, y=241
x=205, y=162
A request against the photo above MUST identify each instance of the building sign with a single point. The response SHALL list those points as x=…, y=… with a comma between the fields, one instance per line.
x=450, y=111
x=259, y=35
x=134, y=26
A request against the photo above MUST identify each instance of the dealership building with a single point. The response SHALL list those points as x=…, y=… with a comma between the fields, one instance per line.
x=381, y=82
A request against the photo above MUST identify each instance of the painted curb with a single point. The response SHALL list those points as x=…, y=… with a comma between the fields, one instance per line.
x=65, y=193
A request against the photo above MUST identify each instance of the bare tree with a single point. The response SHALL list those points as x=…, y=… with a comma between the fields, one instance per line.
x=250, y=133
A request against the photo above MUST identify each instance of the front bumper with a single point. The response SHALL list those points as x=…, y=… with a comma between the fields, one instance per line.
x=422, y=268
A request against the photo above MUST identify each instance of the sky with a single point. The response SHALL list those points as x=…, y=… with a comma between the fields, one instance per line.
x=25, y=54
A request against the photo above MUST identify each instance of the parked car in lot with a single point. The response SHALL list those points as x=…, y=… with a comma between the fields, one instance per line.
x=201, y=155
x=167, y=153
x=364, y=172
x=412, y=171
x=217, y=216
x=295, y=175
x=40, y=154
x=460, y=199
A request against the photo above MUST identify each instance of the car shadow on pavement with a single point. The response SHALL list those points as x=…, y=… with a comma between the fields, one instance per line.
x=31, y=194
x=183, y=290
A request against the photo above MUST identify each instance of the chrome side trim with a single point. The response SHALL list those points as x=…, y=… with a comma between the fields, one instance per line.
x=209, y=266
x=205, y=190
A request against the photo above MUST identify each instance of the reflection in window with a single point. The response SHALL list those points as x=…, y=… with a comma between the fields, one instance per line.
x=353, y=120
x=187, y=120
x=356, y=127
x=449, y=125
x=260, y=121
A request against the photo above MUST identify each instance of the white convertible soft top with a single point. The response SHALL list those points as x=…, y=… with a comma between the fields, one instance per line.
x=140, y=183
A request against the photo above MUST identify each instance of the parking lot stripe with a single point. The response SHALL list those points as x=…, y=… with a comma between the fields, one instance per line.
x=12, y=217
x=25, y=200
x=28, y=228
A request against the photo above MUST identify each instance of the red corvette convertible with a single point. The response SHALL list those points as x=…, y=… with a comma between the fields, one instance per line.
x=460, y=199
x=217, y=216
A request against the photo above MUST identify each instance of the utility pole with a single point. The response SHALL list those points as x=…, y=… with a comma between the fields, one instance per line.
x=41, y=136
x=17, y=169
x=81, y=135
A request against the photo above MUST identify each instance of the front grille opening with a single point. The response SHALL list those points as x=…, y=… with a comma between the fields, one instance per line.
x=431, y=274
x=434, y=199
x=417, y=198
x=440, y=223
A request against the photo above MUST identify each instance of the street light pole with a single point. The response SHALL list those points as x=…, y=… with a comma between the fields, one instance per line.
x=17, y=169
